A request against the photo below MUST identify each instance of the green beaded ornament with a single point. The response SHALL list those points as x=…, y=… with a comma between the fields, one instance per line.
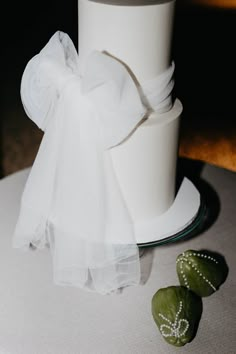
x=200, y=271
x=176, y=312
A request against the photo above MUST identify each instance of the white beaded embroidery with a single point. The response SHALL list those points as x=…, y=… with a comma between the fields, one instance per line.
x=185, y=257
x=174, y=328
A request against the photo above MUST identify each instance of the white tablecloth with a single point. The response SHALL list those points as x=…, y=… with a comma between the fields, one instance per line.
x=37, y=317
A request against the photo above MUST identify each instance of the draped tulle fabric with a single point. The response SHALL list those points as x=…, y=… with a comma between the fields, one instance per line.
x=72, y=201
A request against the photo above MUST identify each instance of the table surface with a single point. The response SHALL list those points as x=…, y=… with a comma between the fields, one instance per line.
x=38, y=317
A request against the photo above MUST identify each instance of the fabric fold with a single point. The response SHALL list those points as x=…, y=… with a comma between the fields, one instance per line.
x=72, y=201
x=156, y=93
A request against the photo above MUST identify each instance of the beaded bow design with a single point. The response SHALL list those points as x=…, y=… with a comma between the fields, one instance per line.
x=178, y=328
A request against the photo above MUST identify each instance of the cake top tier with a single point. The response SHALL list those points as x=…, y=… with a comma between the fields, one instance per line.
x=139, y=36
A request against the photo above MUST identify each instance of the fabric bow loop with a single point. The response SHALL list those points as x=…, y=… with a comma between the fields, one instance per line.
x=105, y=82
x=44, y=77
x=113, y=93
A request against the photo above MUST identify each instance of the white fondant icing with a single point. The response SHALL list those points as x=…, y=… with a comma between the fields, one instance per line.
x=140, y=36
x=145, y=165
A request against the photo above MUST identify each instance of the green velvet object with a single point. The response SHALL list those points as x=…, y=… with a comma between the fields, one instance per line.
x=177, y=312
x=200, y=271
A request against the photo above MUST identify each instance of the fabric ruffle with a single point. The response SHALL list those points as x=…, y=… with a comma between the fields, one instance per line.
x=72, y=201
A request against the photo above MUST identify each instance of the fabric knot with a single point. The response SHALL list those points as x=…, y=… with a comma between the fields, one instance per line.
x=156, y=93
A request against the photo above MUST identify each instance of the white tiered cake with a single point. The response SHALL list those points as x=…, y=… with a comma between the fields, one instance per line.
x=139, y=34
x=110, y=147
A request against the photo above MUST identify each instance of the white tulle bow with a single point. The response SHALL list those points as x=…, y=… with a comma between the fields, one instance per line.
x=72, y=201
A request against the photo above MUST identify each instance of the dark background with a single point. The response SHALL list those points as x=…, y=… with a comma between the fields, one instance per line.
x=203, y=50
